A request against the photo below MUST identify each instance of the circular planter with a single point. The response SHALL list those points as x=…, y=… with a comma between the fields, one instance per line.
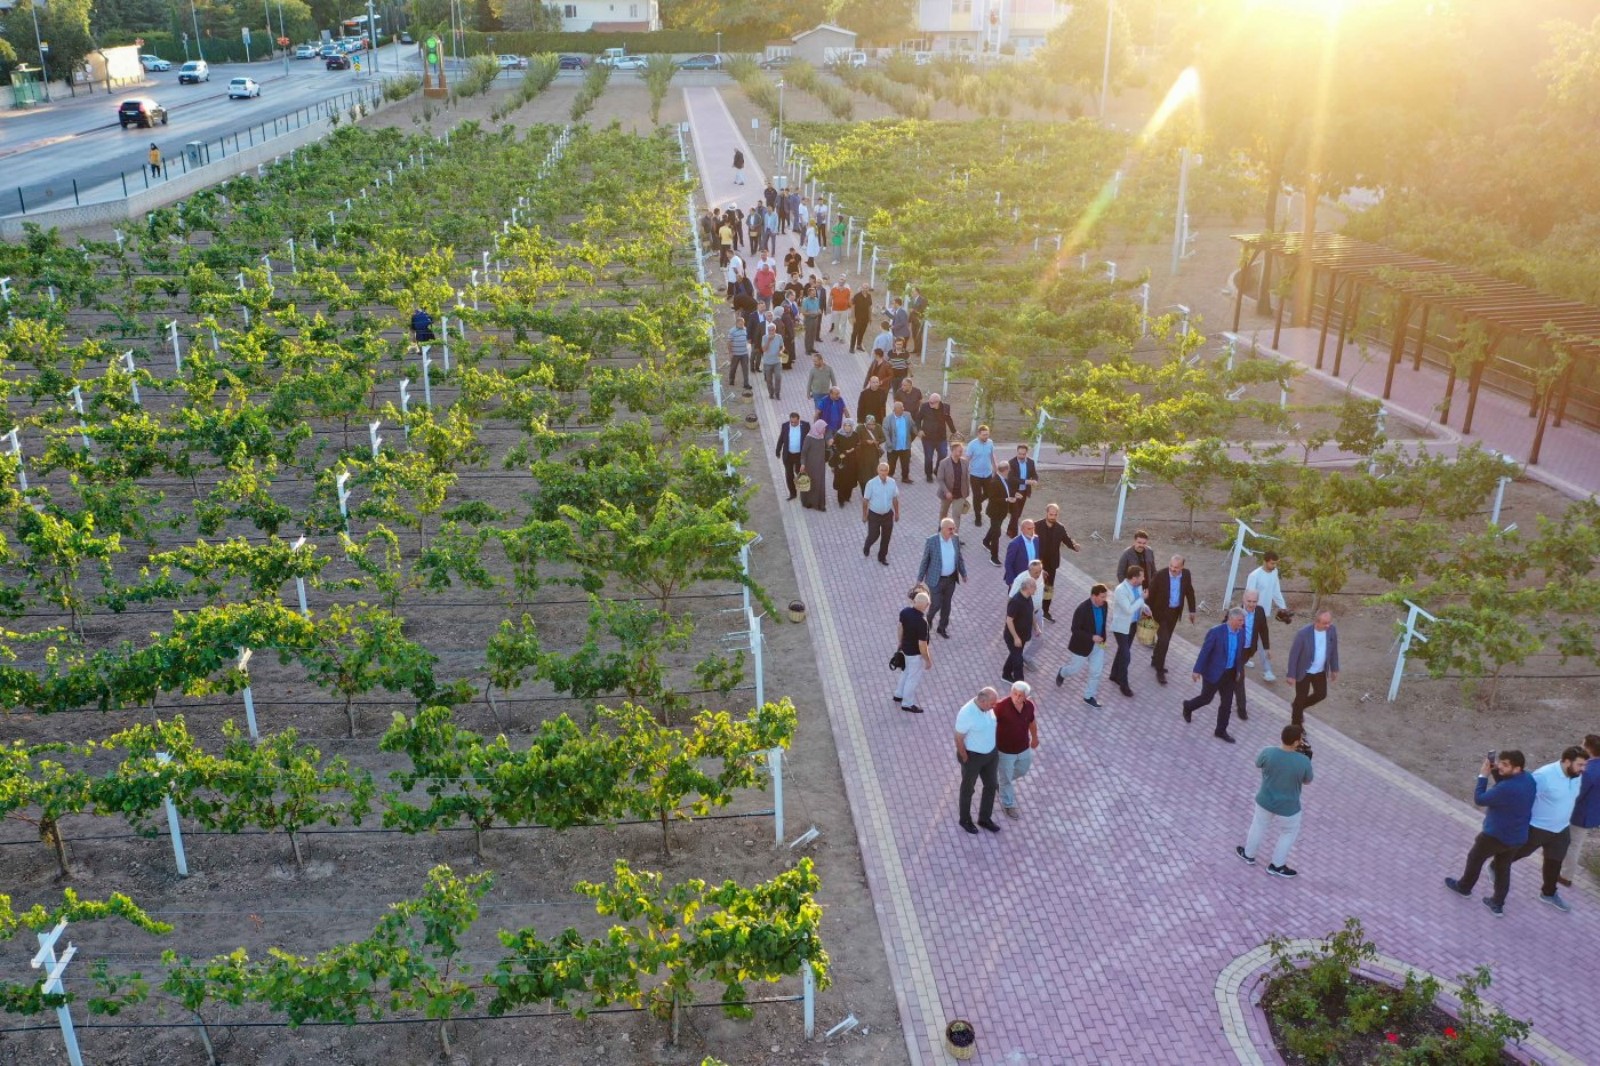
x=960, y=1039
x=797, y=611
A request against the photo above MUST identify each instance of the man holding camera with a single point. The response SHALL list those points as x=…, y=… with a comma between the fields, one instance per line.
x=1509, y=801
x=1285, y=770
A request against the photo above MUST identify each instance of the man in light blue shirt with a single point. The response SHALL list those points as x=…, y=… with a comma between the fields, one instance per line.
x=980, y=458
x=899, y=431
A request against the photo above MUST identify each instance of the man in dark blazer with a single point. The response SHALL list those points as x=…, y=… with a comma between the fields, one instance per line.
x=1170, y=591
x=1257, y=637
x=1217, y=669
x=942, y=568
x=791, y=436
x=1024, y=476
x=1053, y=536
x=1313, y=662
x=1087, y=642
x=1022, y=550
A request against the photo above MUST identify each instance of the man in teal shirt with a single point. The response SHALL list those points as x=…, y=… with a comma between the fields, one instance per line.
x=1284, y=771
x=980, y=463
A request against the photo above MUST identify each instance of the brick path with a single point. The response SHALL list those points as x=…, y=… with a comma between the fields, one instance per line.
x=1095, y=929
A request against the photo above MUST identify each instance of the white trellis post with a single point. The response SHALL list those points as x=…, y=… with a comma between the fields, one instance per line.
x=216, y=343
x=54, y=968
x=177, y=352
x=1144, y=309
x=249, y=696
x=344, y=497
x=1038, y=432
x=405, y=406
x=775, y=767
x=1125, y=485
x=808, y=980
x=300, y=582
x=294, y=268
x=1111, y=270
x=861, y=248
x=5, y=294
x=949, y=356
x=77, y=405
x=873, y=280
x=133, y=381
x=444, y=338
x=1381, y=420
x=178, y=856
x=923, y=353
x=427, y=384
x=1413, y=612
x=120, y=239
x=377, y=441
x=16, y=453
x=1500, y=489
x=1238, y=550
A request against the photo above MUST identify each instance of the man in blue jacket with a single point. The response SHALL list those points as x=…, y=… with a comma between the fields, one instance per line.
x=1217, y=670
x=1509, y=801
x=1585, y=813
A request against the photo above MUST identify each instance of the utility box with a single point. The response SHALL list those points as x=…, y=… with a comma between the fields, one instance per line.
x=197, y=153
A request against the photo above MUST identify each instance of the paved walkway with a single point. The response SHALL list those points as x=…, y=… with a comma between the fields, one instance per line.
x=1107, y=925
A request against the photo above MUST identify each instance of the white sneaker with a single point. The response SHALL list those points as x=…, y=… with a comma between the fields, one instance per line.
x=1269, y=676
x=1251, y=664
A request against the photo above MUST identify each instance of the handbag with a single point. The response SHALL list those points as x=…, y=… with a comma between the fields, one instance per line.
x=803, y=482
x=1146, y=632
x=897, y=661
x=1283, y=615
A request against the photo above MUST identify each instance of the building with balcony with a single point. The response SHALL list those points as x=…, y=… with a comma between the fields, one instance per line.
x=610, y=16
x=988, y=25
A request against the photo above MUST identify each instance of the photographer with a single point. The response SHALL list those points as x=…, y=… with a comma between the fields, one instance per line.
x=1285, y=770
x=1505, y=828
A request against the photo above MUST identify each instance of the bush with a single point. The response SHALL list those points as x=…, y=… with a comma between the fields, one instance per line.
x=836, y=98
x=594, y=83
x=756, y=85
x=481, y=73
x=658, y=72
x=541, y=72
x=400, y=88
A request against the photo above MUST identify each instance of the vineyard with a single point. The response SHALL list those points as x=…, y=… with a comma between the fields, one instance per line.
x=357, y=599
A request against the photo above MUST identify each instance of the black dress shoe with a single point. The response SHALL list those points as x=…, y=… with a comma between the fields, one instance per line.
x=1224, y=735
x=1188, y=715
x=988, y=824
x=1161, y=677
x=1242, y=716
x=1126, y=691
x=969, y=827
x=942, y=633
x=793, y=495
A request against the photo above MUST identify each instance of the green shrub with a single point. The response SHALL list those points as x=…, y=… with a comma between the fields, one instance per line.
x=594, y=83
x=400, y=88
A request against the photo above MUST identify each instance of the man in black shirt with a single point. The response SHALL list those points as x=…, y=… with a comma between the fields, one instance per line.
x=1019, y=629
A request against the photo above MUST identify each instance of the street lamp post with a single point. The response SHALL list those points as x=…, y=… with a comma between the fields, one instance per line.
x=781, y=150
x=44, y=68
x=1105, y=71
x=719, y=44
x=199, y=49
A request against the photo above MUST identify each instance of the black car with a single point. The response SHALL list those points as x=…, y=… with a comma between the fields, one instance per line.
x=338, y=62
x=776, y=62
x=704, y=61
x=571, y=63
x=140, y=111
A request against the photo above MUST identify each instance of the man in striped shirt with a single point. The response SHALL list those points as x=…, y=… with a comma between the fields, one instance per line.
x=738, y=354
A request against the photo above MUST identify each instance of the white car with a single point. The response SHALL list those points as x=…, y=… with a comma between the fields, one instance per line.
x=239, y=88
x=628, y=63
x=305, y=51
x=511, y=62
x=154, y=63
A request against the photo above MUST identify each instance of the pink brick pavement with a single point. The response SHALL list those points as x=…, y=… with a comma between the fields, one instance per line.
x=1094, y=929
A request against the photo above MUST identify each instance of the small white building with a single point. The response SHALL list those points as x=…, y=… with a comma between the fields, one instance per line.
x=611, y=16
x=822, y=45
x=968, y=25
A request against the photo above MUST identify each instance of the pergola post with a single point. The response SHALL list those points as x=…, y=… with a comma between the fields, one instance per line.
x=1246, y=260
x=1422, y=336
x=1546, y=402
x=1277, y=323
x=1351, y=312
x=1565, y=391
x=1327, y=314
x=1397, y=347
x=1474, y=381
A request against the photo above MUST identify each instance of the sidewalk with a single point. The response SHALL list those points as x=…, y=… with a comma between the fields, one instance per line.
x=1112, y=923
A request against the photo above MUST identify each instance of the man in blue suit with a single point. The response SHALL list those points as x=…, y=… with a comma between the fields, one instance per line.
x=1022, y=550
x=1217, y=669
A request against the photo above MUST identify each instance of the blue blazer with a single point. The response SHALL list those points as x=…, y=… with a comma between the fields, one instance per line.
x=1017, y=557
x=1212, y=662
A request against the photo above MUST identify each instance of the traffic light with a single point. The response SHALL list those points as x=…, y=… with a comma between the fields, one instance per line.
x=431, y=45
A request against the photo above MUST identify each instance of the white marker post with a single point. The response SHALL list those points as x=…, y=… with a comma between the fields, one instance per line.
x=172, y=824
x=133, y=381
x=1238, y=550
x=427, y=383
x=444, y=339
x=377, y=441
x=300, y=582
x=1125, y=485
x=177, y=352
x=249, y=696
x=775, y=768
x=809, y=987
x=77, y=405
x=16, y=453
x=294, y=268
x=405, y=406
x=1413, y=612
x=1500, y=492
x=344, y=497
x=51, y=986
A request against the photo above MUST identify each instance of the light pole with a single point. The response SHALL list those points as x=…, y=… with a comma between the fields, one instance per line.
x=1105, y=71
x=199, y=49
x=44, y=68
x=781, y=150
x=1180, y=226
x=719, y=44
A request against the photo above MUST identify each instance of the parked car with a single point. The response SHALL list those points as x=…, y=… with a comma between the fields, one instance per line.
x=571, y=63
x=405, y=38
x=240, y=88
x=196, y=71
x=610, y=56
x=305, y=51
x=704, y=61
x=628, y=63
x=776, y=62
x=328, y=51
x=512, y=62
x=154, y=63
x=140, y=111
x=338, y=62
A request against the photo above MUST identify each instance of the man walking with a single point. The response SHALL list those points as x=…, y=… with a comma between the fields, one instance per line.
x=791, y=439
x=1035, y=574
x=1264, y=581
x=1086, y=644
x=914, y=646
x=1558, y=784
x=839, y=309
x=861, y=316
x=1256, y=638
x=980, y=454
x=1216, y=668
x=1127, y=607
x=738, y=354
x=1016, y=739
x=155, y=160
x=1313, y=662
x=1585, y=813
x=1285, y=770
x=1023, y=549
x=941, y=569
x=1024, y=476
x=1139, y=555
x=1171, y=590
x=935, y=426
x=820, y=380
x=880, y=509
x=772, y=362
x=995, y=505
x=952, y=478
x=975, y=751
x=1507, y=794
x=1018, y=629
x=1053, y=537
x=899, y=430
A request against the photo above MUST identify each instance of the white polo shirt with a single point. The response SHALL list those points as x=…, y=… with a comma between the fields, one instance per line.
x=978, y=727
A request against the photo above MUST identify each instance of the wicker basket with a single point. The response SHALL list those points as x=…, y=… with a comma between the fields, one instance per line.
x=797, y=611
x=1146, y=631
x=960, y=1039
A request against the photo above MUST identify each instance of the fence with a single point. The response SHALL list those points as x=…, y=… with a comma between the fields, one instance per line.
x=115, y=185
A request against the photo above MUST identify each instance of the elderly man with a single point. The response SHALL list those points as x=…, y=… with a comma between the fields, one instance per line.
x=880, y=509
x=952, y=476
x=1087, y=643
x=1217, y=669
x=1023, y=549
x=1171, y=590
x=914, y=646
x=975, y=751
x=1257, y=637
x=1018, y=628
x=1034, y=573
x=935, y=425
x=1016, y=739
x=942, y=568
x=899, y=430
x=1313, y=662
x=832, y=410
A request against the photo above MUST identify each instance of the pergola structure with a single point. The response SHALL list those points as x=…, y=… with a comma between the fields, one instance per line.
x=1344, y=271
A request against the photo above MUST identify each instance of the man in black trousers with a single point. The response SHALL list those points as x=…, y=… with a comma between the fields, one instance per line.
x=1170, y=591
x=1217, y=670
x=791, y=436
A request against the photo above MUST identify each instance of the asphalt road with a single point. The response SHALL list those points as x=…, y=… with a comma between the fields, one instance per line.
x=42, y=152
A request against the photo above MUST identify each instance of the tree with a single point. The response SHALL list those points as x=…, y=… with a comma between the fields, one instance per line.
x=879, y=23
x=531, y=15
x=360, y=648
x=40, y=791
x=63, y=26
x=1074, y=53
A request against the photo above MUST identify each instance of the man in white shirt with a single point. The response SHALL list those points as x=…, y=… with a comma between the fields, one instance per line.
x=1313, y=662
x=1263, y=581
x=975, y=751
x=1034, y=573
x=1127, y=607
x=1549, y=827
x=880, y=509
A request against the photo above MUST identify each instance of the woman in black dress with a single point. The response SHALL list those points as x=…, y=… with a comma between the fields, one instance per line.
x=842, y=457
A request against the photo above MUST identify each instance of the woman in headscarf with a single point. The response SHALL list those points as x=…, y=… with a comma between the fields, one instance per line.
x=842, y=457
x=814, y=460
